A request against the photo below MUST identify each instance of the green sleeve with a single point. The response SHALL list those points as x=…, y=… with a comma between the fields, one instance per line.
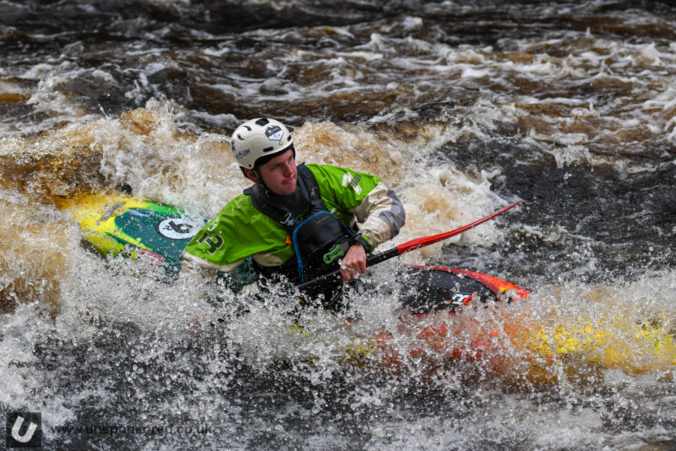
x=238, y=231
x=342, y=189
x=362, y=198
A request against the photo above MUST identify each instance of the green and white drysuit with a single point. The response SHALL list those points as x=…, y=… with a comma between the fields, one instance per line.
x=241, y=230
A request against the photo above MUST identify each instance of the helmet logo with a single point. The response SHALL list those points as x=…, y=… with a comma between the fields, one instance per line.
x=242, y=153
x=274, y=133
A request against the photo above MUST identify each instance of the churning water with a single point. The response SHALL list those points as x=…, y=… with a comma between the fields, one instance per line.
x=462, y=106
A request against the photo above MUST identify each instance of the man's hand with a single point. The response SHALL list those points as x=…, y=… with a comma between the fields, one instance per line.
x=354, y=263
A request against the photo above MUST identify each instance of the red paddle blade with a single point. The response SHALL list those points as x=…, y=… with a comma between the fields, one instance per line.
x=427, y=240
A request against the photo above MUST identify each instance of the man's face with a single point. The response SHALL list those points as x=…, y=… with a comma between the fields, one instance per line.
x=280, y=174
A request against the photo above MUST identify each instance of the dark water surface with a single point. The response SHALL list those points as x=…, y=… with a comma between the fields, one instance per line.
x=462, y=107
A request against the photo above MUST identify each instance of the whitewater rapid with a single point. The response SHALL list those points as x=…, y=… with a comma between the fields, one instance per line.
x=463, y=107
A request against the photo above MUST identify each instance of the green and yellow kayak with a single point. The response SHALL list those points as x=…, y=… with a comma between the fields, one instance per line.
x=121, y=225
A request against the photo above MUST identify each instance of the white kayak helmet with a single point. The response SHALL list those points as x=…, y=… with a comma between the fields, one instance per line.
x=258, y=139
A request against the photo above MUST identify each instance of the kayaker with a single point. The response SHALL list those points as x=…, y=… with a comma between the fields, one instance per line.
x=296, y=220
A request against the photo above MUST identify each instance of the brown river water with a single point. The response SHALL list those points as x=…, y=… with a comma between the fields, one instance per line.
x=462, y=106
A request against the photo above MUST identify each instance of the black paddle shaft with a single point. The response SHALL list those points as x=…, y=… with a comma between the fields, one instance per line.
x=334, y=275
x=409, y=246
